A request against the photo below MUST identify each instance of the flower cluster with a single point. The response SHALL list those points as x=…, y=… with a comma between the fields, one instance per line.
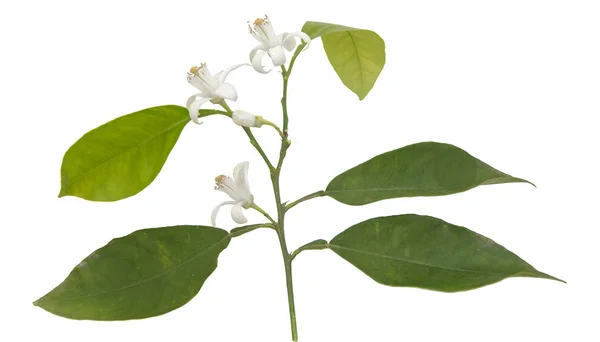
x=271, y=44
x=215, y=89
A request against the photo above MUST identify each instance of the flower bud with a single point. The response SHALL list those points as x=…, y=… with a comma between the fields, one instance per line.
x=245, y=119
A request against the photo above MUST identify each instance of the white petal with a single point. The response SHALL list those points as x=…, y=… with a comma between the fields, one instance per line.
x=213, y=216
x=263, y=31
x=258, y=48
x=256, y=60
x=302, y=36
x=192, y=99
x=194, y=107
x=287, y=41
x=226, y=91
x=240, y=175
x=277, y=55
x=204, y=71
x=228, y=185
x=268, y=29
x=237, y=214
x=199, y=84
x=260, y=37
x=223, y=74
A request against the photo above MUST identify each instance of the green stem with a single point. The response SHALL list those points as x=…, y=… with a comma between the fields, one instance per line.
x=202, y=113
x=256, y=145
x=286, y=76
x=253, y=140
x=246, y=229
x=269, y=123
x=315, y=194
x=287, y=259
x=275, y=176
x=265, y=214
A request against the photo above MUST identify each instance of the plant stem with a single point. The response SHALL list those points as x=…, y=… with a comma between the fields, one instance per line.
x=315, y=194
x=269, y=123
x=246, y=229
x=203, y=113
x=252, y=139
x=258, y=148
x=287, y=258
x=275, y=176
x=265, y=214
x=278, y=225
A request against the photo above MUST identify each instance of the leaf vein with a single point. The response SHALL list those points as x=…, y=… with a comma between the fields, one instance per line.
x=154, y=276
x=123, y=153
x=417, y=262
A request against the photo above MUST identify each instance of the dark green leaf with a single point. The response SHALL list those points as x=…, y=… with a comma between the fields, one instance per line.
x=423, y=169
x=357, y=55
x=426, y=252
x=122, y=157
x=147, y=273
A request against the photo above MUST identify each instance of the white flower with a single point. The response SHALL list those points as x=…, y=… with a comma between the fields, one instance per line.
x=245, y=119
x=238, y=189
x=271, y=43
x=212, y=87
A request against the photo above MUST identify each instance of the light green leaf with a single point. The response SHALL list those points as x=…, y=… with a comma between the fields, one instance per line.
x=147, y=273
x=122, y=157
x=357, y=55
x=426, y=252
x=315, y=29
x=423, y=169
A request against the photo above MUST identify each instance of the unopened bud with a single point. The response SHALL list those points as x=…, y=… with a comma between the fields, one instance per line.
x=245, y=119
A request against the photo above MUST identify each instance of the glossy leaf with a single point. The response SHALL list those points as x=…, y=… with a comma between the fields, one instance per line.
x=426, y=252
x=122, y=157
x=357, y=55
x=423, y=169
x=144, y=274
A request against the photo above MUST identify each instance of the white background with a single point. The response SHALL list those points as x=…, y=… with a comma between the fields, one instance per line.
x=515, y=83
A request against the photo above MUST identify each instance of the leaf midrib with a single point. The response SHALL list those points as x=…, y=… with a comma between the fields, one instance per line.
x=126, y=152
x=360, y=66
x=417, y=262
x=154, y=276
x=516, y=180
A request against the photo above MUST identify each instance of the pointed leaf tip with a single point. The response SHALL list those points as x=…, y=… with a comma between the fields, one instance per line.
x=144, y=274
x=422, y=169
x=122, y=157
x=62, y=193
x=356, y=55
x=426, y=252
